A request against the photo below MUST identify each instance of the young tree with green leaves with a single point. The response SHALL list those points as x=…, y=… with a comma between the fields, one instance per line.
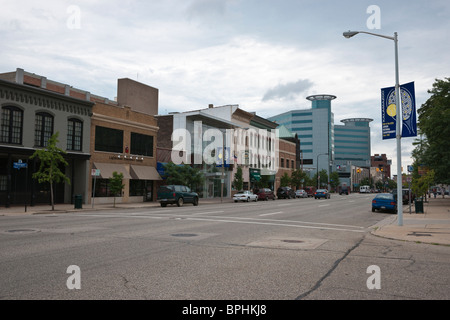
x=334, y=180
x=285, y=180
x=420, y=184
x=115, y=185
x=298, y=178
x=183, y=175
x=238, y=181
x=50, y=159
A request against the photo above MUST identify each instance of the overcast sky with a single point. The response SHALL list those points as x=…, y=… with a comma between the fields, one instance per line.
x=266, y=56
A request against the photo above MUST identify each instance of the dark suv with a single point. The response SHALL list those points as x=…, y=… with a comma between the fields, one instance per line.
x=264, y=194
x=175, y=194
x=285, y=193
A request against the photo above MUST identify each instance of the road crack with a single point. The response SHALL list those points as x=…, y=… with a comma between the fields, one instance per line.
x=326, y=275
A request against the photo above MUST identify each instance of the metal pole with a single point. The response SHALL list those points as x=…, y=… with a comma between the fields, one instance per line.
x=398, y=137
x=93, y=191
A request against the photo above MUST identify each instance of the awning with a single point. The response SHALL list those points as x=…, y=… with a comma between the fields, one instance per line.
x=144, y=173
x=107, y=169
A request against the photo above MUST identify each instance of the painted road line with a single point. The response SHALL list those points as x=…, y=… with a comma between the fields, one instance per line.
x=269, y=214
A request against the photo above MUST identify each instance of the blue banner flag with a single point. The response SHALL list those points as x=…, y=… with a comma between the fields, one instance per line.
x=407, y=94
x=408, y=111
x=222, y=157
x=388, y=113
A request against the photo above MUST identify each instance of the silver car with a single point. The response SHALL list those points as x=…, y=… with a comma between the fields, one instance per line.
x=245, y=196
x=301, y=194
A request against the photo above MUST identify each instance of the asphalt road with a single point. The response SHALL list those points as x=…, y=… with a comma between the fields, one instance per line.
x=271, y=250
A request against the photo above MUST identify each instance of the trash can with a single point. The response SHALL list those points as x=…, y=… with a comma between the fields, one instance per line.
x=418, y=202
x=78, y=201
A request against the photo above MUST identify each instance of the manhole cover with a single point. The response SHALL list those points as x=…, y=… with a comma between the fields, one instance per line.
x=293, y=241
x=184, y=235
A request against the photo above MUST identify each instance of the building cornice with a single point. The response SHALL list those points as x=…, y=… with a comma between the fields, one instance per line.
x=120, y=121
x=19, y=93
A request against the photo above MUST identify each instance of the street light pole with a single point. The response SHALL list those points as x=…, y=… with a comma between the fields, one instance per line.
x=399, y=116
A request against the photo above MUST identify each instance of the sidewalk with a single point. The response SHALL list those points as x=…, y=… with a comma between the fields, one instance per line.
x=70, y=208
x=432, y=226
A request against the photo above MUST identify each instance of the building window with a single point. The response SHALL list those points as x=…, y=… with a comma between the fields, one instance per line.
x=109, y=140
x=11, y=125
x=282, y=163
x=3, y=183
x=141, y=144
x=74, y=134
x=43, y=129
x=137, y=187
x=102, y=188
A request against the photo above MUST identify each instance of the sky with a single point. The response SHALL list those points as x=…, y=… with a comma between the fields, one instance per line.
x=265, y=56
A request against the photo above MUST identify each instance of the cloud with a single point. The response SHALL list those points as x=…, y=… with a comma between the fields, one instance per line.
x=288, y=91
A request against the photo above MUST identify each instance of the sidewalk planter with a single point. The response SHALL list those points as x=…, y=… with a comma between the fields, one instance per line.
x=78, y=201
x=418, y=202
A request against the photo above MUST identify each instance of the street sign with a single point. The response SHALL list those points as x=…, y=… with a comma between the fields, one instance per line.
x=20, y=165
x=95, y=172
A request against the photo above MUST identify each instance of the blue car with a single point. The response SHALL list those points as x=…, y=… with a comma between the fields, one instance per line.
x=321, y=193
x=384, y=201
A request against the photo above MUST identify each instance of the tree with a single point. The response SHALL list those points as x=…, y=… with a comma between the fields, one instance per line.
x=285, y=180
x=183, y=175
x=51, y=158
x=421, y=184
x=115, y=185
x=323, y=178
x=334, y=180
x=366, y=181
x=434, y=123
x=298, y=178
x=238, y=181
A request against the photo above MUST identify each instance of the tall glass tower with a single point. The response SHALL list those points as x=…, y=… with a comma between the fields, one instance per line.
x=315, y=129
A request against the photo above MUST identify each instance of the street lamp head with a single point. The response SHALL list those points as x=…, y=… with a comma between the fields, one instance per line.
x=350, y=34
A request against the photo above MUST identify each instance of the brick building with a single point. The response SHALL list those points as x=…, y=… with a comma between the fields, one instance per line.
x=96, y=133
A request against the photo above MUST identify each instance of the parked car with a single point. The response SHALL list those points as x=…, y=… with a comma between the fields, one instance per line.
x=176, y=194
x=301, y=194
x=245, y=196
x=405, y=195
x=265, y=194
x=384, y=201
x=321, y=193
x=310, y=191
x=285, y=193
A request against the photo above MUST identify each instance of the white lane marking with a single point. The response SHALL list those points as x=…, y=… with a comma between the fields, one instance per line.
x=275, y=224
x=269, y=214
x=324, y=205
x=270, y=222
x=199, y=213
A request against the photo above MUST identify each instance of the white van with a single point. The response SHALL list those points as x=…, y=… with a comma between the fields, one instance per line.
x=364, y=189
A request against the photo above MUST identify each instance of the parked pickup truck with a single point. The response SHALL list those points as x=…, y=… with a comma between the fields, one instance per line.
x=175, y=194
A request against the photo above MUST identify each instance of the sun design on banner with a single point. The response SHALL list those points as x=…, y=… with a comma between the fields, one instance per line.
x=407, y=107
